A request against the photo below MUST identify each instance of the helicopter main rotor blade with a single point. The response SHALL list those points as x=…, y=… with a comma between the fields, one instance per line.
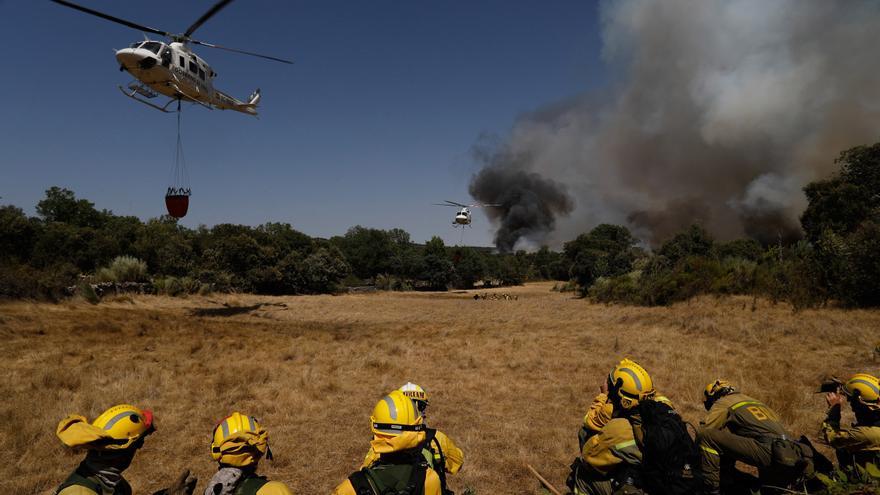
x=444, y=204
x=211, y=45
x=108, y=17
x=453, y=203
x=207, y=15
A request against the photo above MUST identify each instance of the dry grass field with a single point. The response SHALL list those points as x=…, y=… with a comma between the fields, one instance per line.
x=510, y=380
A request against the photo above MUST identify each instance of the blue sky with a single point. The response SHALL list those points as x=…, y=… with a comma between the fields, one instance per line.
x=373, y=124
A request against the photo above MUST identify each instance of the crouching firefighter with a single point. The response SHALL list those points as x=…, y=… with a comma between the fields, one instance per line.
x=111, y=442
x=399, y=439
x=442, y=454
x=610, y=459
x=239, y=444
x=740, y=428
x=858, y=447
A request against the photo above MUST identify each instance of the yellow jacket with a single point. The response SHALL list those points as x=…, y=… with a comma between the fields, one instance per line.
x=855, y=440
x=270, y=488
x=614, y=444
x=454, y=456
x=274, y=488
x=78, y=490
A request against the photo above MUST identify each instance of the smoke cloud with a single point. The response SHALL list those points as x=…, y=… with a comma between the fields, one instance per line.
x=718, y=112
x=528, y=204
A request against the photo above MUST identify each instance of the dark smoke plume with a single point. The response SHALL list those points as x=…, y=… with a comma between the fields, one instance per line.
x=718, y=113
x=529, y=203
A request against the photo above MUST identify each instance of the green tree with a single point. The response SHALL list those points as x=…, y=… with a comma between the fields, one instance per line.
x=18, y=233
x=61, y=205
x=470, y=266
x=324, y=270
x=695, y=241
x=605, y=251
x=369, y=252
x=437, y=270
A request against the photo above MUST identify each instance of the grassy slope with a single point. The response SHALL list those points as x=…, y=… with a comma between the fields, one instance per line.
x=510, y=379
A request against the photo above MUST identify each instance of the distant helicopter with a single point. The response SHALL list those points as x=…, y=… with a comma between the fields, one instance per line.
x=463, y=217
x=172, y=69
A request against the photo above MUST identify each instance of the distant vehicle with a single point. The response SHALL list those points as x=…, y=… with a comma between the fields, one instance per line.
x=463, y=217
x=172, y=69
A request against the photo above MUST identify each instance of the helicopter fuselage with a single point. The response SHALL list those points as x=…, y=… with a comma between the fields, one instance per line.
x=463, y=217
x=173, y=70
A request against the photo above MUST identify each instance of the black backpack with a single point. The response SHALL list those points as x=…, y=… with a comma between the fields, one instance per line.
x=398, y=473
x=670, y=457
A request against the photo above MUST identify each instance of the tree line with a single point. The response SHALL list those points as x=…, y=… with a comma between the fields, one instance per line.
x=70, y=242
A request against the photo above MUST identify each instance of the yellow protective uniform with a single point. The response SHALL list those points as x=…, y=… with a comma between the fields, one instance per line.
x=858, y=445
x=386, y=444
x=274, y=488
x=77, y=490
x=454, y=456
x=614, y=444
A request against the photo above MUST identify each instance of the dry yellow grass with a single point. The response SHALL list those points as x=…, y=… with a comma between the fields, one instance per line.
x=510, y=380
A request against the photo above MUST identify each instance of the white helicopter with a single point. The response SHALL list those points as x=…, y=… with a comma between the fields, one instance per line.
x=463, y=217
x=172, y=69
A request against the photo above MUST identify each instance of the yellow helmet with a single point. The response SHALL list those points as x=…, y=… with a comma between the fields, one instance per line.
x=395, y=414
x=416, y=393
x=240, y=441
x=715, y=390
x=125, y=424
x=630, y=383
x=865, y=389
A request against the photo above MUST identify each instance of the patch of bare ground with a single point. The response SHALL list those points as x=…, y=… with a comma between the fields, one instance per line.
x=510, y=380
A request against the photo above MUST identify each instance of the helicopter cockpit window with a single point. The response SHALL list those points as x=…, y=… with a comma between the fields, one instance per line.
x=136, y=44
x=152, y=46
x=201, y=74
x=193, y=67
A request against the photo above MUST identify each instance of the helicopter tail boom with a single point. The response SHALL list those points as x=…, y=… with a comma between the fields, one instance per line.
x=225, y=102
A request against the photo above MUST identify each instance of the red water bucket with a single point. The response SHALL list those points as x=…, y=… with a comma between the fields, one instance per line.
x=177, y=204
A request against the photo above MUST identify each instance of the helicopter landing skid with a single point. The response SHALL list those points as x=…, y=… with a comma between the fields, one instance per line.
x=135, y=91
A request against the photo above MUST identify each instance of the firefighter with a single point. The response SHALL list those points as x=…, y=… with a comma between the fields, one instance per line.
x=442, y=453
x=740, y=428
x=239, y=443
x=399, y=438
x=857, y=448
x=610, y=457
x=111, y=442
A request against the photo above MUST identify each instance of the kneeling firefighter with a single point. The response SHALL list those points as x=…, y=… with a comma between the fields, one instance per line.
x=740, y=428
x=610, y=457
x=111, y=441
x=857, y=448
x=399, y=439
x=441, y=452
x=239, y=444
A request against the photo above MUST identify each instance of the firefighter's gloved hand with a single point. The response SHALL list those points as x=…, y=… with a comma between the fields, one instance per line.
x=184, y=485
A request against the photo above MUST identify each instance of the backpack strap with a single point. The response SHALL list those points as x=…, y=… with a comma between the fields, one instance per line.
x=361, y=483
x=439, y=467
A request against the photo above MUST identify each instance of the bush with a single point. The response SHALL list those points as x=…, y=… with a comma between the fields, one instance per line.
x=22, y=281
x=123, y=269
x=391, y=282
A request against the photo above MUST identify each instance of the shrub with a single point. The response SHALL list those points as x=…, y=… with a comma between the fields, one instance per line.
x=123, y=269
x=391, y=282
